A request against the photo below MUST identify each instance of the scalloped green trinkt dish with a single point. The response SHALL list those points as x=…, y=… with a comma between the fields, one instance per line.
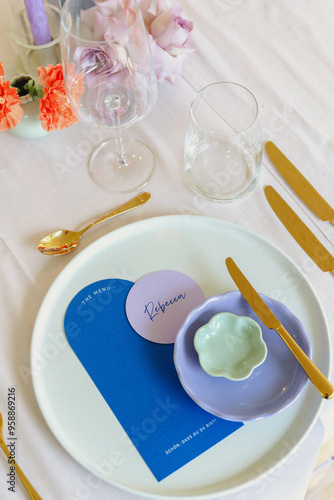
x=230, y=346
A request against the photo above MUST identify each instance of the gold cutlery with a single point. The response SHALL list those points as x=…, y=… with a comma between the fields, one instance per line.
x=300, y=184
x=269, y=319
x=300, y=232
x=26, y=483
x=64, y=241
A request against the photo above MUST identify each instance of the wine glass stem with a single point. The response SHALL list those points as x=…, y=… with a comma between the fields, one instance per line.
x=122, y=160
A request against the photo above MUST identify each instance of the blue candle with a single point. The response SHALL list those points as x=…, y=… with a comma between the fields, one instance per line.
x=38, y=21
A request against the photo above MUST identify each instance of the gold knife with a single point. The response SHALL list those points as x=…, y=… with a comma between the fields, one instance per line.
x=299, y=184
x=301, y=233
x=269, y=319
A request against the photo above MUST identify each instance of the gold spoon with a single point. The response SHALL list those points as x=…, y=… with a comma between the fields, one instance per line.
x=64, y=241
x=28, y=486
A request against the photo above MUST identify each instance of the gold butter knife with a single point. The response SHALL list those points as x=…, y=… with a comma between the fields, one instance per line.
x=269, y=319
x=300, y=184
x=301, y=233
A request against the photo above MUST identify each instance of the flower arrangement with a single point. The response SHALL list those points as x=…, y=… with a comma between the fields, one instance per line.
x=169, y=36
x=55, y=112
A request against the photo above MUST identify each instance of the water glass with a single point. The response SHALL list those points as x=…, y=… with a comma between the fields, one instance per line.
x=223, y=146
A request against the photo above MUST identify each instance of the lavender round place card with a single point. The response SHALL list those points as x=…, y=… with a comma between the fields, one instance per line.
x=159, y=302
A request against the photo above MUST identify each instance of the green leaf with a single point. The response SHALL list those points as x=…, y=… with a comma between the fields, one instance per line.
x=34, y=89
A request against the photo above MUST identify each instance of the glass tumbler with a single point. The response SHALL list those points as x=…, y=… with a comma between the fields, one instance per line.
x=35, y=32
x=223, y=145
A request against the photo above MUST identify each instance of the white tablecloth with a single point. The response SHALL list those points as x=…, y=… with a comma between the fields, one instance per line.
x=283, y=52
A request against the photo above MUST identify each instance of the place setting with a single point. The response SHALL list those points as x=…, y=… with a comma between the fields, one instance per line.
x=127, y=345
x=176, y=342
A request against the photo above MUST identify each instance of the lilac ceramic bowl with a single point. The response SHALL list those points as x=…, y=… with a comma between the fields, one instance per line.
x=272, y=386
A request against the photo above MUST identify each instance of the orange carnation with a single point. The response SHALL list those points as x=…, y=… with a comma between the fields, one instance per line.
x=55, y=112
x=11, y=112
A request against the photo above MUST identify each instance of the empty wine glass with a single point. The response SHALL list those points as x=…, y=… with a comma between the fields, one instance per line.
x=110, y=83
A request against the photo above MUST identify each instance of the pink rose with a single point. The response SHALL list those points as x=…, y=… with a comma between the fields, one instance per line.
x=170, y=31
x=100, y=64
x=166, y=66
x=106, y=21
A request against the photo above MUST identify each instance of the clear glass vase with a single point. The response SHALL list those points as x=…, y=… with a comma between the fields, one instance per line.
x=34, y=30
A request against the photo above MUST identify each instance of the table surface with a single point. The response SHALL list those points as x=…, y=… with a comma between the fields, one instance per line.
x=283, y=52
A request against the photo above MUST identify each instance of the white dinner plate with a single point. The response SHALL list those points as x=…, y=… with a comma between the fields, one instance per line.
x=197, y=246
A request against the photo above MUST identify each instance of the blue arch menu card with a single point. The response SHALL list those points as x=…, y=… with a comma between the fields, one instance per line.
x=138, y=380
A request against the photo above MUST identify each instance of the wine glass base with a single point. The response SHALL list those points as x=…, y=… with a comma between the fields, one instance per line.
x=112, y=175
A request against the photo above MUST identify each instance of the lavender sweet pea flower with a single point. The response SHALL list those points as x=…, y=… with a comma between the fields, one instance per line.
x=100, y=64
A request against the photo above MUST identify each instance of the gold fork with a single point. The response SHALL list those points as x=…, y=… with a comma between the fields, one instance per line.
x=28, y=486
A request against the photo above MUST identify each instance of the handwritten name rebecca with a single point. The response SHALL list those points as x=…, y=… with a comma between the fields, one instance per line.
x=153, y=310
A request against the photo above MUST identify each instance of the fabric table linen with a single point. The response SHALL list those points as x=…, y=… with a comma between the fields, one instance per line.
x=283, y=52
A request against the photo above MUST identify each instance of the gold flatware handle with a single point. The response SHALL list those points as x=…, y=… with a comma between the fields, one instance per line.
x=26, y=483
x=135, y=202
x=314, y=374
x=300, y=184
x=272, y=322
x=299, y=231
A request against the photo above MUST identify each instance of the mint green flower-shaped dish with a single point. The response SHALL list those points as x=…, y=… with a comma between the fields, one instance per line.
x=230, y=346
